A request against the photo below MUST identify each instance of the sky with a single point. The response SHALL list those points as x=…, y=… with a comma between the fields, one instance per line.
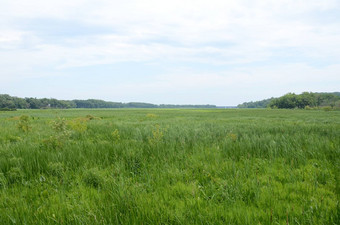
x=222, y=52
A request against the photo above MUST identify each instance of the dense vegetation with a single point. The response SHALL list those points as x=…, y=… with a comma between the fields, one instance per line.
x=257, y=104
x=291, y=101
x=157, y=166
x=9, y=102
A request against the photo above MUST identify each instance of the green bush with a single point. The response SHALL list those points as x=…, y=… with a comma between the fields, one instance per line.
x=7, y=109
x=24, y=124
x=59, y=125
x=327, y=108
x=79, y=125
x=53, y=142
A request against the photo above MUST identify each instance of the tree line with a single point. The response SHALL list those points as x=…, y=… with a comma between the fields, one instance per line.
x=8, y=102
x=301, y=101
x=257, y=104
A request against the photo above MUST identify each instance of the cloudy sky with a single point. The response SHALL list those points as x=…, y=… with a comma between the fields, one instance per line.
x=221, y=52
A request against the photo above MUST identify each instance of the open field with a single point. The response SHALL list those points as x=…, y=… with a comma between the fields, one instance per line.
x=163, y=166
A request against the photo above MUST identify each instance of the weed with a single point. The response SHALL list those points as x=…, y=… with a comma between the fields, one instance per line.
x=232, y=137
x=327, y=108
x=24, y=124
x=53, y=142
x=79, y=125
x=13, y=139
x=90, y=117
x=151, y=115
x=157, y=136
x=115, y=135
x=59, y=125
x=14, y=118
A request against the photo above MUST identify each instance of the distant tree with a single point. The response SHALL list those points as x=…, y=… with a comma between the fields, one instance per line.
x=291, y=100
x=257, y=104
x=309, y=99
x=6, y=101
x=34, y=103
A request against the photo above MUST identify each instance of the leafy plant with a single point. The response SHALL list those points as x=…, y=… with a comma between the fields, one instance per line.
x=24, y=124
x=59, y=125
x=78, y=125
x=13, y=139
x=157, y=136
x=53, y=142
x=232, y=136
x=115, y=135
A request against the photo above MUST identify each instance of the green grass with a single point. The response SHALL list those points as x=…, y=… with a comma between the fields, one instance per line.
x=158, y=166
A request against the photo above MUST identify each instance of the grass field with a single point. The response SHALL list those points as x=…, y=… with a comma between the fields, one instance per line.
x=163, y=166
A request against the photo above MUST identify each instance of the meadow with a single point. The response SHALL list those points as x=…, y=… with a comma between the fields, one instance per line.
x=170, y=166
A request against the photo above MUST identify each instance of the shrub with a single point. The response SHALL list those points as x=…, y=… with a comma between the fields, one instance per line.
x=79, y=125
x=7, y=109
x=24, y=123
x=59, y=125
x=327, y=108
x=53, y=142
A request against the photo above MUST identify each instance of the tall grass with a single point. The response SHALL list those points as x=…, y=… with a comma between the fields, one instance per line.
x=169, y=167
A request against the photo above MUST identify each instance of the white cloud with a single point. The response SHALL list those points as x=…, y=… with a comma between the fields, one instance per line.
x=253, y=26
x=215, y=33
x=226, y=87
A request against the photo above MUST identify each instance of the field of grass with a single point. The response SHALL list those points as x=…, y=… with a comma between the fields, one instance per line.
x=163, y=166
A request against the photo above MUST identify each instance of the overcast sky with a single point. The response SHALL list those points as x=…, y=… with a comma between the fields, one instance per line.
x=221, y=52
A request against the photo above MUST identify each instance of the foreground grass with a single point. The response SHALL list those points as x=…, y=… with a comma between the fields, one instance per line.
x=169, y=167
